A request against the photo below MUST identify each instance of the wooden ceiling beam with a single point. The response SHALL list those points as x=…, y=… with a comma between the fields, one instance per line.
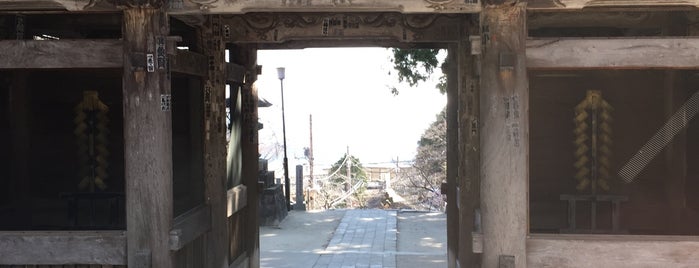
x=59, y=54
x=613, y=53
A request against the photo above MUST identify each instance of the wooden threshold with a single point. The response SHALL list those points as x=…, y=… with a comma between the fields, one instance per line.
x=63, y=247
x=571, y=250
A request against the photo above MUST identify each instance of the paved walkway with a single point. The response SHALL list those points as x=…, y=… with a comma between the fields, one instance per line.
x=355, y=239
x=363, y=239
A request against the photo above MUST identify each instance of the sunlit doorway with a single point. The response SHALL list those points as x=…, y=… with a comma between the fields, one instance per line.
x=345, y=110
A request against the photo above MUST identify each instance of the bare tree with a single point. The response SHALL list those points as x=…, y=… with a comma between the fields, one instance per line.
x=421, y=184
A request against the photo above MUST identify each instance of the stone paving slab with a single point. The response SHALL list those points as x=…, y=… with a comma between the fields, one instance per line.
x=302, y=240
x=363, y=239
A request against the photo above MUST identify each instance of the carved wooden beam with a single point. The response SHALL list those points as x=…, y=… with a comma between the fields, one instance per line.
x=247, y=6
x=182, y=7
x=265, y=28
x=178, y=7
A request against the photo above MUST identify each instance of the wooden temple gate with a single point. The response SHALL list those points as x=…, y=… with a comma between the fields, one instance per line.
x=190, y=203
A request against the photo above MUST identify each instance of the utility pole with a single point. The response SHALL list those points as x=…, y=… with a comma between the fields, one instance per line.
x=310, y=153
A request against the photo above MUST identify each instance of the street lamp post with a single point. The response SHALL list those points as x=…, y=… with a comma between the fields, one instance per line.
x=287, y=182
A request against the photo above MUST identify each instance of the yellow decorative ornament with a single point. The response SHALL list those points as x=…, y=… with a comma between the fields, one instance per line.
x=91, y=132
x=593, y=140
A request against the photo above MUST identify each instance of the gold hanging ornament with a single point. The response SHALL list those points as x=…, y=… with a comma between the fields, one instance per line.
x=91, y=132
x=593, y=140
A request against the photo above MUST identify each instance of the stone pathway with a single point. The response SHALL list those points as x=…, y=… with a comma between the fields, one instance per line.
x=363, y=239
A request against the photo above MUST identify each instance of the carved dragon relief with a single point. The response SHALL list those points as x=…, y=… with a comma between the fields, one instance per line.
x=277, y=28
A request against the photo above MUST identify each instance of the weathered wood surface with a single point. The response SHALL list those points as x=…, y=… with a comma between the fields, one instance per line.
x=235, y=73
x=573, y=5
x=504, y=121
x=237, y=199
x=191, y=63
x=147, y=142
x=214, y=91
x=453, y=211
x=620, y=251
x=559, y=20
x=349, y=27
x=477, y=243
x=250, y=155
x=47, y=54
x=242, y=261
x=196, y=7
x=405, y=6
x=64, y=247
x=467, y=62
x=613, y=53
x=30, y=5
x=189, y=226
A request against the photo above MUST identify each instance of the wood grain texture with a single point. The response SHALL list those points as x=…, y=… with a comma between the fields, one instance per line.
x=469, y=144
x=215, y=145
x=453, y=212
x=577, y=5
x=64, y=247
x=147, y=144
x=404, y=6
x=191, y=63
x=190, y=226
x=237, y=199
x=613, y=53
x=620, y=251
x=55, y=54
x=250, y=155
x=18, y=5
x=504, y=137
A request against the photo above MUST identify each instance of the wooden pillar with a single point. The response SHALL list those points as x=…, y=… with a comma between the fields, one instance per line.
x=504, y=116
x=453, y=211
x=147, y=137
x=250, y=154
x=211, y=44
x=469, y=141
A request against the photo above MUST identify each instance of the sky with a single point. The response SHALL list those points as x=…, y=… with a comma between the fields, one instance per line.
x=348, y=93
